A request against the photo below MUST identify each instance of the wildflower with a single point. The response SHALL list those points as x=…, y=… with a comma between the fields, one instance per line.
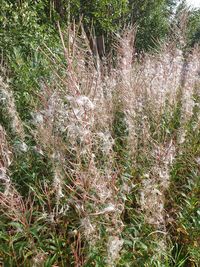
x=81, y=101
x=88, y=228
x=114, y=247
x=39, y=258
x=198, y=160
x=58, y=182
x=22, y=146
x=38, y=118
x=106, y=142
x=109, y=208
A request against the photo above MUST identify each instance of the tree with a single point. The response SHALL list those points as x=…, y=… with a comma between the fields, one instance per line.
x=152, y=19
x=193, y=31
x=104, y=15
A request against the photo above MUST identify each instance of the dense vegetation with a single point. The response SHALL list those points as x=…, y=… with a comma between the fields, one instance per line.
x=99, y=148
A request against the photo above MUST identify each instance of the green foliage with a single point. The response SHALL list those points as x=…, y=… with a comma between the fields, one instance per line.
x=24, y=29
x=193, y=30
x=21, y=25
x=105, y=15
x=152, y=18
x=20, y=22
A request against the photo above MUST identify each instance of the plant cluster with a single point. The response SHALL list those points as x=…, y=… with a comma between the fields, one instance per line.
x=104, y=168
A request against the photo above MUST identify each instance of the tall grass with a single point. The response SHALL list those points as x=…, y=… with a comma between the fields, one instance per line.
x=106, y=172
